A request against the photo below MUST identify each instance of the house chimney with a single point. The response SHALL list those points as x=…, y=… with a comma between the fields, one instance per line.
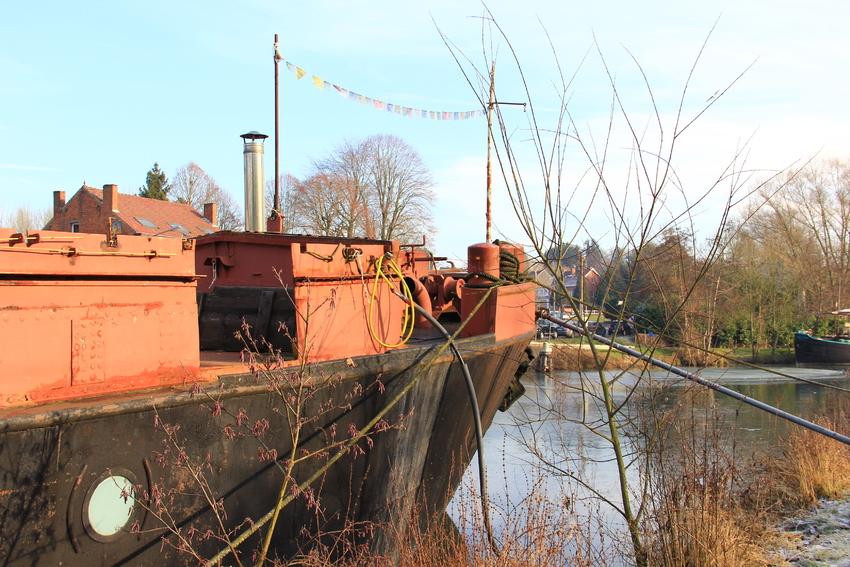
x=211, y=213
x=58, y=202
x=110, y=198
x=254, y=181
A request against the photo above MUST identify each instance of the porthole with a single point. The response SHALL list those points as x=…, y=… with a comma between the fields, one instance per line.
x=110, y=507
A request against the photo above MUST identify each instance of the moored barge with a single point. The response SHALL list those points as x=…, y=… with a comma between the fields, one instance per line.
x=159, y=397
x=821, y=351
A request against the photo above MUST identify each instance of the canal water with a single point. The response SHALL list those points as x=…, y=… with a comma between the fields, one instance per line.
x=558, y=422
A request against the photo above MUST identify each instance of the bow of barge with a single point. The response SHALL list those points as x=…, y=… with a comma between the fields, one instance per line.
x=157, y=394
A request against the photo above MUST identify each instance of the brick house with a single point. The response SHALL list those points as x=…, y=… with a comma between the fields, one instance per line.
x=591, y=282
x=570, y=279
x=90, y=211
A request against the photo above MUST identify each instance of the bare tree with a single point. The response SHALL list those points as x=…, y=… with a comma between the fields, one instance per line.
x=400, y=196
x=25, y=218
x=637, y=201
x=288, y=188
x=319, y=207
x=192, y=185
x=806, y=222
x=345, y=170
x=376, y=188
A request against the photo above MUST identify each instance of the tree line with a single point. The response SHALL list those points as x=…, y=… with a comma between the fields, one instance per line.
x=194, y=186
x=378, y=187
x=784, y=260
x=373, y=188
x=25, y=218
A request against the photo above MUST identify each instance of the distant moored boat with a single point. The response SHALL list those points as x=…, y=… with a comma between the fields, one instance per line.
x=828, y=350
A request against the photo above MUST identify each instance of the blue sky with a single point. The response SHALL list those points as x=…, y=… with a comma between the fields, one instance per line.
x=99, y=91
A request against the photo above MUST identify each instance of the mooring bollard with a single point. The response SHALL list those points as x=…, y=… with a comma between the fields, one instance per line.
x=544, y=358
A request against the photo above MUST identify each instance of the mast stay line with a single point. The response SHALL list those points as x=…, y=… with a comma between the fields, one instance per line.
x=544, y=314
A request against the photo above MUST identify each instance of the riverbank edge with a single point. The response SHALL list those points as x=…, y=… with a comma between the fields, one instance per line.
x=815, y=537
x=572, y=356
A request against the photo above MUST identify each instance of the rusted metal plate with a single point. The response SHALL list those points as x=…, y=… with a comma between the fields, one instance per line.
x=100, y=320
x=268, y=260
x=56, y=254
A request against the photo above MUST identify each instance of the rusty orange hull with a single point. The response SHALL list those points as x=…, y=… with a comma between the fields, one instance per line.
x=101, y=351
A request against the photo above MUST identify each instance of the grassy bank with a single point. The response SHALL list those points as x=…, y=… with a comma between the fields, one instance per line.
x=575, y=354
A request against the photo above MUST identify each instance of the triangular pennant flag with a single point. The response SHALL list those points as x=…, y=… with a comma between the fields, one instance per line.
x=375, y=103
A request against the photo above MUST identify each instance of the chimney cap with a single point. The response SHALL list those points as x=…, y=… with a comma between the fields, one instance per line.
x=253, y=135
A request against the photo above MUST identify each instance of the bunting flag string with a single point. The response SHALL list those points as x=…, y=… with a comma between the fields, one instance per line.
x=379, y=104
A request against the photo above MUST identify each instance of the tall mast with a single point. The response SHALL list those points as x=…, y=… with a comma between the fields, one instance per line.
x=276, y=130
x=490, y=106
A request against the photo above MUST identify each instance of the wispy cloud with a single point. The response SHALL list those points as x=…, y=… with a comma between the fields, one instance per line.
x=27, y=167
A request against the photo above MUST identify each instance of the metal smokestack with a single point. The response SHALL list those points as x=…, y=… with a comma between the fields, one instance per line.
x=255, y=213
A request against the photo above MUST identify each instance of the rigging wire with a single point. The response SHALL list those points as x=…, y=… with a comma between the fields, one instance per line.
x=476, y=414
x=699, y=380
x=719, y=355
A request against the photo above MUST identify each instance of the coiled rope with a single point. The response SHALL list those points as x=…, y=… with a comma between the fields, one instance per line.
x=509, y=272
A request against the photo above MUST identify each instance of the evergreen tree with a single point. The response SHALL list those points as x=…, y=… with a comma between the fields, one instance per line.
x=156, y=186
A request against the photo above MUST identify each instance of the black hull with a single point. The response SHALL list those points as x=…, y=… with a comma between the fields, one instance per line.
x=50, y=460
x=813, y=351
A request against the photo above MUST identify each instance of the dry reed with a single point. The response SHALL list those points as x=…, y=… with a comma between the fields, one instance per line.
x=812, y=466
x=540, y=531
x=697, y=492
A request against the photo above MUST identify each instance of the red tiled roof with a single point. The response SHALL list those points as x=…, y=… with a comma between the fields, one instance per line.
x=163, y=214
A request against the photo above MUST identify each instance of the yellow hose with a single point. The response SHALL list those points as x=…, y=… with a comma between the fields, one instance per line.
x=407, y=326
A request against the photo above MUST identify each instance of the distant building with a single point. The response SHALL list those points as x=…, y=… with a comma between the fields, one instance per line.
x=570, y=279
x=93, y=211
x=591, y=282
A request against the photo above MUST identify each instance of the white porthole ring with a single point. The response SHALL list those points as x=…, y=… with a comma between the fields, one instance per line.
x=110, y=507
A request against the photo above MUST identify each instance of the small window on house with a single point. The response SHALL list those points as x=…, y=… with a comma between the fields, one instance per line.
x=179, y=228
x=206, y=230
x=75, y=227
x=147, y=224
